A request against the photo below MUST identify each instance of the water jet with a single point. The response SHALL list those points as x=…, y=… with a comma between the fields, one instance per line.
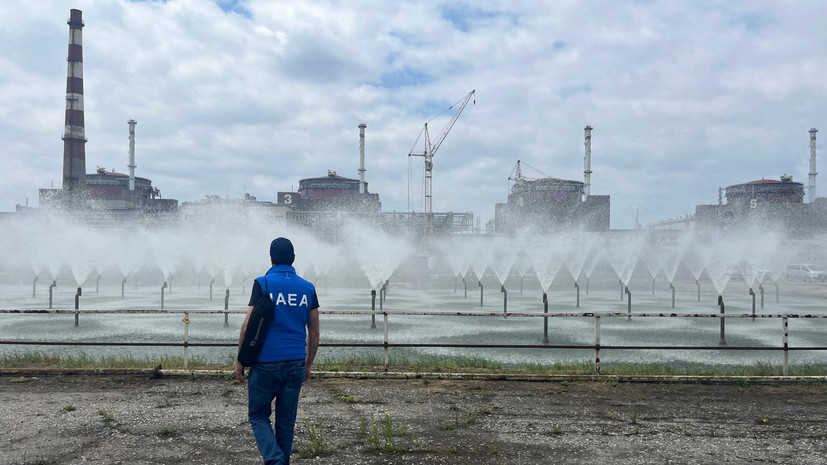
x=480, y=284
x=51, y=290
x=672, y=287
x=545, y=318
x=77, y=305
x=761, y=289
x=577, y=287
x=505, y=300
x=373, y=308
x=723, y=321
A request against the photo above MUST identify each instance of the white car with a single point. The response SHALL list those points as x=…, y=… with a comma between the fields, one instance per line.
x=805, y=273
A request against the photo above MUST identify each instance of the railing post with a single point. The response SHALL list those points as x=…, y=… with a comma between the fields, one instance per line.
x=653, y=286
x=373, y=308
x=123, y=283
x=761, y=289
x=698, y=283
x=752, y=293
x=785, y=370
x=597, y=345
x=672, y=287
x=51, y=290
x=628, y=304
x=621, y=289
x=77, y=306
x=211, y=283
x=34, y=288
x=521, y=284
x=385, y=324
x=723, y=321
x=587, y=286
x=381, y=298
x=186, y=321
x=480, y=283
x=545, y=318
x=505, y=300
x=577, y=286
x=162, y=294
x=465, y=287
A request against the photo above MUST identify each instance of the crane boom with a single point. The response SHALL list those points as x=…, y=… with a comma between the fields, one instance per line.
x=429, y=152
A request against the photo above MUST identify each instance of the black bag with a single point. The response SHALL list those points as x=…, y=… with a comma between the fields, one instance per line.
x=257, y=327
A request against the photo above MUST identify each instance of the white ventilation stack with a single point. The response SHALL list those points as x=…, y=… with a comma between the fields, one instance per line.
x=132, y=165
x=587, y=164
x=362, y=158
x=812, y=192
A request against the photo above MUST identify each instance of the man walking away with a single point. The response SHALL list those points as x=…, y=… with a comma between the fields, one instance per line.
x=284, y=363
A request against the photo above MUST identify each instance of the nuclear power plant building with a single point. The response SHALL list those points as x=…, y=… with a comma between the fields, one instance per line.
x=102, y=194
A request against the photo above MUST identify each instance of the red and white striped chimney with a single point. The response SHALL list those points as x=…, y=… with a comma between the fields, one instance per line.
x=74, y=137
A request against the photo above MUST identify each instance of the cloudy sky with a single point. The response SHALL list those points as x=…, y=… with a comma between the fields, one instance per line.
x=254, y=95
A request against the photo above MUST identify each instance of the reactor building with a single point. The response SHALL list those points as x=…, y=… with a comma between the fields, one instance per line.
x=775, y=204
x=551, y=204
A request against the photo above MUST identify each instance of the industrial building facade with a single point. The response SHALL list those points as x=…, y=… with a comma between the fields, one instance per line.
x=551, y=204
x=765, y=204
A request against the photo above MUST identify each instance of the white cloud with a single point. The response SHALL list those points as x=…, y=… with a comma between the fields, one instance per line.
x=233, y=96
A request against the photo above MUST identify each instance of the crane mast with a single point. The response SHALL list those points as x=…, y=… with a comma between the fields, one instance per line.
x=429, y=152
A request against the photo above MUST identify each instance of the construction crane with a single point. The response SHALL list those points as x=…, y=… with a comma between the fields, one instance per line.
x=428, y=153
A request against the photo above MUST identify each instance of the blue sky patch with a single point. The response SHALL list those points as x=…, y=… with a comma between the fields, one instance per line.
x=403, y=77
x=228, y=6
x=463, y=17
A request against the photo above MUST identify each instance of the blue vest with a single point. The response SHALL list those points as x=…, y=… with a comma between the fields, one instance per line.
x=293, y=297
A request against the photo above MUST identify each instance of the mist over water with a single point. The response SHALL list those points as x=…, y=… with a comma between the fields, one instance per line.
x=226, y=249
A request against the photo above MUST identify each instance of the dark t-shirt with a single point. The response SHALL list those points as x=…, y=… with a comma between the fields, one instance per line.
x=256, y=294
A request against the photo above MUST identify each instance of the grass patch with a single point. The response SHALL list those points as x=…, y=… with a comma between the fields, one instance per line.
x=167, y=432
x=69, y=408
x=381, y=434
x=400, y=363
x=317, y=446
x=345, y=397
x=55, y=360
x=106, y=415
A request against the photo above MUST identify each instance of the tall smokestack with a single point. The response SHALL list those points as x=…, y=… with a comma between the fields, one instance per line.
x=132, y=165
x=812, y=193
x=362, y=158
x=587, y=164
x=74, y=137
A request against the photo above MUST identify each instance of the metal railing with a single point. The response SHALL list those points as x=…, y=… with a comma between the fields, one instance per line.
x=386, y=344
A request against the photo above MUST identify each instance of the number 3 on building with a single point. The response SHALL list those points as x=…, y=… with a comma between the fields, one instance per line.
x=288, y=198
x=753, y=203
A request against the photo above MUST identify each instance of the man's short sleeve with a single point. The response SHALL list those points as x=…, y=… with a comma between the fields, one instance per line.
x=315, y=300
x=256, y=294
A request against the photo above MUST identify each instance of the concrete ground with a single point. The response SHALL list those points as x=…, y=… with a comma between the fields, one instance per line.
x=125, y=419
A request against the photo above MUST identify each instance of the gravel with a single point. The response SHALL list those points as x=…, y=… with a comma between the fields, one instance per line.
x=125, y=419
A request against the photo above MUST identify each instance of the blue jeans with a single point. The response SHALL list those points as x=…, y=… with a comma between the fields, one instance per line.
x=281, y=381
